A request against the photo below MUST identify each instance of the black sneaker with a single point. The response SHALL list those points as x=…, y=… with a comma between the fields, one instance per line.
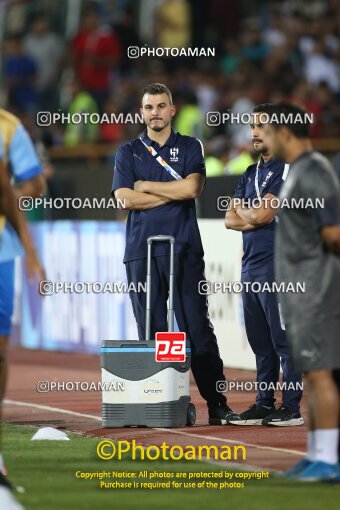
x=222, y=415
x=283, y=417
x=254, y=415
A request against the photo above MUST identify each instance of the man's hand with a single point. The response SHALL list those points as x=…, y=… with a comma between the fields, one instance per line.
x=331, y=238
x=233, y=221
x=139, y=186
x=184, y=189
x=136, y=200
x=258, y=216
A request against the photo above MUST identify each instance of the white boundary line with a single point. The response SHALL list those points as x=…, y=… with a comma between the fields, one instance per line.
x=233, y=441
x=172, y=431
x=51, y=409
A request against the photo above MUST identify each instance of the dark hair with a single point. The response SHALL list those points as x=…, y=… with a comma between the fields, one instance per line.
x=293, y=117
x=264, y=108
x=157, y=88
x=91, y=10
x=39, y=16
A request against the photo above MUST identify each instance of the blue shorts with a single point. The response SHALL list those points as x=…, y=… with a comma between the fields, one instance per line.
x=6, y=296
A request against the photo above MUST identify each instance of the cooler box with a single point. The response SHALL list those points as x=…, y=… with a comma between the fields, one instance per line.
x=150, y=394
x=137, y=390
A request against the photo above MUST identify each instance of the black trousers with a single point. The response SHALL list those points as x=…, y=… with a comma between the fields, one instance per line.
x=269, y=341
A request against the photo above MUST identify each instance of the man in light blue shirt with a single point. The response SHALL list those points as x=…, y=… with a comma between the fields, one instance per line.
x=21, y=162
x=9, y=211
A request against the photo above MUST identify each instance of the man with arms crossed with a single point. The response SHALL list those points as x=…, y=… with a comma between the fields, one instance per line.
x=308, y=250
x=161, y=202
x=262, y=181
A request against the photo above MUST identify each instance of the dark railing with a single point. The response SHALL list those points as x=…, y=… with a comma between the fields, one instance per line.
x=87, y=170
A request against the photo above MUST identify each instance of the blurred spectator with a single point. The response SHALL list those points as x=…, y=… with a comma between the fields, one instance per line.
x=319, y=66
x=173, y=24
x=96, y=51
x=81, y=102
x=264, y=53
x=128, y=36
x=254, y=47
x=231, y=59
x=278, y=68
x=205, y=89
x=238, y=165
x=213, y=165
x=216, y=156
x=189, y=119
x=16, y=15
x=327, y=118
x=274, y=34
x=111, y=132
x=46, y=48
x=20, y=72
x=225, y=17
x=304, y=96
x=241, y=104
x=294, y=54
x=146, y=20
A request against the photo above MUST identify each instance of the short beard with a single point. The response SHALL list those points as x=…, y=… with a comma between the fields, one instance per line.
x=259, y=151
x=158, y=129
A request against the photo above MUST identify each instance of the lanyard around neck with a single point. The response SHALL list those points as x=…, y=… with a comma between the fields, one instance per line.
x=161, y=161
x=258, y=192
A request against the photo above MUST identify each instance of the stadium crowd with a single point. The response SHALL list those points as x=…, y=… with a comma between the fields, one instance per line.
x=264, y=51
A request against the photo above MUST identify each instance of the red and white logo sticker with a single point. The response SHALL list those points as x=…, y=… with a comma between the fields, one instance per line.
x=170, y=347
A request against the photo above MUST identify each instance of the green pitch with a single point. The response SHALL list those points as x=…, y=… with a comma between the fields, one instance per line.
x=46, y=469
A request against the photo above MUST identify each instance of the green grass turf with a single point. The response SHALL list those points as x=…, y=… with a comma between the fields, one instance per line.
x=46, y=469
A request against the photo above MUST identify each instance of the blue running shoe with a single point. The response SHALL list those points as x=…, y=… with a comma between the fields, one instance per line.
x=297, y=468
x=318, y=472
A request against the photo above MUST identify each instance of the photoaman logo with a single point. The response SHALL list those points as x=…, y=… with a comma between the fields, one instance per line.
x=107, y=450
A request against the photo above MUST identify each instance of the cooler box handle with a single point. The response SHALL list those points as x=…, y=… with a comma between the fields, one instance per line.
x=171, y=241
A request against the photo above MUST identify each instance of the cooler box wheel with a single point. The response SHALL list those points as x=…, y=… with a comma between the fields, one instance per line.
x=191, y=415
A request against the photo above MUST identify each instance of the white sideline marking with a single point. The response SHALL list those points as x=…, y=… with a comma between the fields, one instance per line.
x=233, y=441
x=54, y=409
x=172, y=431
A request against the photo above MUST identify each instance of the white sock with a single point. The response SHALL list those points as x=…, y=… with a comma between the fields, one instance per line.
x=311, y=452
x=326, y=445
